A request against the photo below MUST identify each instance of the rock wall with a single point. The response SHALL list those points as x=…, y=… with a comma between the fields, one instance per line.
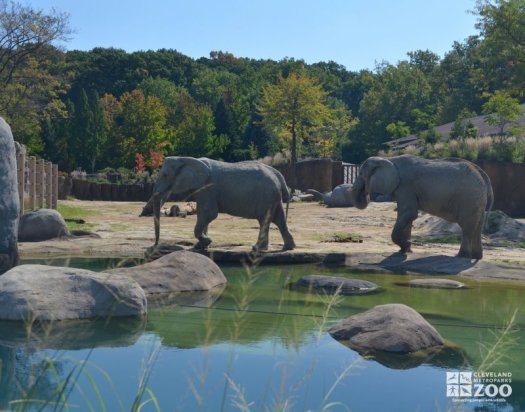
x=319, y=174
x=508, y=186
x=9, y=202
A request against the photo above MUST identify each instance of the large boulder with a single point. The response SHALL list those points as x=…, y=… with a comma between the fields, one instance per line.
x=41, y=224
x=9, y=202
x=336, y=284
x=38, y=292
x=180, y=271
x=391, y=328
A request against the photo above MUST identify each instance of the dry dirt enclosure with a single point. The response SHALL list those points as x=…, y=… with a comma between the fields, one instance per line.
x=315, y=229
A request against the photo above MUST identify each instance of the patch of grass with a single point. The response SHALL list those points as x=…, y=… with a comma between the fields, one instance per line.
x=343, y=237
x=71, y=212
x=454, y=239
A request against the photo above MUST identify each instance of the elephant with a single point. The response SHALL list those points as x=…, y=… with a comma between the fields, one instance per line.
x=339, y=197
x=246, y=189
x=453, y=189
x=9, y=201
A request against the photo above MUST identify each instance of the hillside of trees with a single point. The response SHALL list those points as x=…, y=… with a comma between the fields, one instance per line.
x=107, y=108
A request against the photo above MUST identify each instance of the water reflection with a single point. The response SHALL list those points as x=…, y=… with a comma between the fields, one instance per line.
x=447, y=357
x=71, y=334
x=27, y=369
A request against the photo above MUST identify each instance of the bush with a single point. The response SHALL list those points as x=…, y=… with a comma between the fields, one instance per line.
x=495, y=148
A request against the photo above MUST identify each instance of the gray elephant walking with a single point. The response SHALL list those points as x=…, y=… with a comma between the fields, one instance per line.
x=9, y=203
x=246, y=189
x=453, y=189
x=339, y=197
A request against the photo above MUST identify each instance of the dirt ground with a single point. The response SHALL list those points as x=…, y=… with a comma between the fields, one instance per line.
x=314, y=227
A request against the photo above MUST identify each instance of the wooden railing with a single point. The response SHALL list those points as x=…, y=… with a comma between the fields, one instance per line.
x=38, y=182
x=350, y=172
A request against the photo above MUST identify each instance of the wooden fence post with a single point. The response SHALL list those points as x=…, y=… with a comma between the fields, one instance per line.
x=39, y=183
x=48, y=183
x=31, y=182
x=54, y=201
x=20, y=174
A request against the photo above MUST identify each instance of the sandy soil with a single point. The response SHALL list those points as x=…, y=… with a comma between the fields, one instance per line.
x=314, y=227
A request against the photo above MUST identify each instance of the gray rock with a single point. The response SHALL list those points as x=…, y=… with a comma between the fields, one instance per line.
x=42, y=224
x=333, y=283
x=9, y=203
x=436, y=283
x=180, y=271
x=391, y=328
x=39, y=292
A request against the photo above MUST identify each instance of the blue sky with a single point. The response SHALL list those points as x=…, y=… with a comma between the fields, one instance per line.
x=354, y=33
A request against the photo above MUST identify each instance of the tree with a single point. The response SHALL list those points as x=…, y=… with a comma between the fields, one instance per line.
x=291, y=108
x=502, y=27
x=463, y=127
x=194, y=132
x=30, y=93
x=501, y=109
x=397, y=129
x=142, y=125
x=399, y=93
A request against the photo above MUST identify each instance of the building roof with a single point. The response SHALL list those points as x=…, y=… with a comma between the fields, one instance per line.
x=479, y=122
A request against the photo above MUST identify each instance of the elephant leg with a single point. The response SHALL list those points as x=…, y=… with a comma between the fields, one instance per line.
x=471, y=238
x=402, y=231
x=204, y=217
x=279, y=219
x=264, y=231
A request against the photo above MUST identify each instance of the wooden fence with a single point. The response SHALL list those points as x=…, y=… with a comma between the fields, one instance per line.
x=38, y=182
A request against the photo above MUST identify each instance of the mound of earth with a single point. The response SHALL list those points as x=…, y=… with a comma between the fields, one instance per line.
x=500, y=227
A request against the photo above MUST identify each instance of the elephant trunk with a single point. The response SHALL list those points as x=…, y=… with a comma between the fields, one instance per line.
x=157, y=201
x=360, y=198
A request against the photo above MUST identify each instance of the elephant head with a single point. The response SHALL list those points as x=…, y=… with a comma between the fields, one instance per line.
x=178, y=175
x=376, y=175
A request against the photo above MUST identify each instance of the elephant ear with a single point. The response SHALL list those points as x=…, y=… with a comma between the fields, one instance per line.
x=190, y=174
x=384, y=177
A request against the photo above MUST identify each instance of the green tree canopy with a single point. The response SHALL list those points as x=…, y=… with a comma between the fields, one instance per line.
x=501, y=110
x=292, y=108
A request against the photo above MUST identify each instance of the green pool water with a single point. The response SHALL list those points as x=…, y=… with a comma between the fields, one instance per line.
x=259, y=344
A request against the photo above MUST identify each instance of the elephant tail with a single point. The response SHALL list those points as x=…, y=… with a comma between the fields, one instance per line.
x=490, y=199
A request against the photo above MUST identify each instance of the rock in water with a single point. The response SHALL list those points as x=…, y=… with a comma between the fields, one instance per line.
x=333, y=284
x=39, y=292
x=391, y=328
x=180, y=271
x=436, y=283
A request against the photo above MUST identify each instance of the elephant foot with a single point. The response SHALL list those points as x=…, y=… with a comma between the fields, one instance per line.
x=289, y=246
x=405, y=249
x=202, y=244
x=257, y=249
x=476, y=256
